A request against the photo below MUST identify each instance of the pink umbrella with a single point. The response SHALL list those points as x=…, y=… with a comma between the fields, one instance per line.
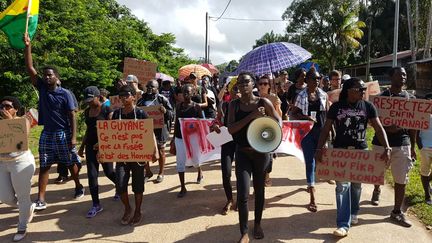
x=164, y=76
x=210, y=67
x=198, y=69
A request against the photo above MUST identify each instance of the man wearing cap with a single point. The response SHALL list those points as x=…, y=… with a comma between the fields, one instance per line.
x=152, y=98
x=132, y=81
x=57, y=115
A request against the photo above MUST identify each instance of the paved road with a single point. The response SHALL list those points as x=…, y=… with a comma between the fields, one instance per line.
x=196, y=218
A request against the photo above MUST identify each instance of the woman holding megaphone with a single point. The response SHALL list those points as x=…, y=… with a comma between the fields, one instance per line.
x=241, y=113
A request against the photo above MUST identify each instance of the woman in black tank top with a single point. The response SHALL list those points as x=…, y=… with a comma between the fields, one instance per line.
x=241, y=113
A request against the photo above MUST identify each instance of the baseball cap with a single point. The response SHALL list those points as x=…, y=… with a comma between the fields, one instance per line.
x=90, y=92
x=132, y=79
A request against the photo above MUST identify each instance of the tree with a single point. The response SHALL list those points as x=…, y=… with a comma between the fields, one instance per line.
x=87, y=41
x=330, y=28
x=270, y=38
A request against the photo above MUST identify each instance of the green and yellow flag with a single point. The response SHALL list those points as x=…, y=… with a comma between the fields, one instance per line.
x=13, y=21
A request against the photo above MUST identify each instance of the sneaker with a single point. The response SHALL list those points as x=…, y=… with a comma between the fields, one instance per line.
x=93, y=211
x=341, y=232
x=428, y=201
x=116, y=197
x=79, y=192
x=375, y=198
x=61, y=180
x=19, y=235
x=31, y=214
x=159, y=178
x=400, y=219
x=354, y=219
x=40, y=205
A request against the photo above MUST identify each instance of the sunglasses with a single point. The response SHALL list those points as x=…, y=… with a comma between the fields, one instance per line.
x=265, y=84
x=5, y=106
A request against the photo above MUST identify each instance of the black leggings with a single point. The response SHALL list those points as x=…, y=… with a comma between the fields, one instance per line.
x=93, y=173
x=123, y=171
x=249, y=162
x=227, y=157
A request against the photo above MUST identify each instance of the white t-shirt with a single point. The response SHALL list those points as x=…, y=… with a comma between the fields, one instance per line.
x=426, y=135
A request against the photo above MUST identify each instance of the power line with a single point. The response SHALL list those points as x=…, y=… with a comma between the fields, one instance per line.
x=226, y=7
x=239, y=19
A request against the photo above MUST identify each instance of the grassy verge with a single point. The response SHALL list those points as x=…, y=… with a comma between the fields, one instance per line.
x=414, y=190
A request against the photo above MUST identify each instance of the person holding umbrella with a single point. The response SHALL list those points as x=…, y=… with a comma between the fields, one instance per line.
x=241, y=112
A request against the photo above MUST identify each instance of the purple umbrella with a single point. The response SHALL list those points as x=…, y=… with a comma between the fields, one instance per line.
x=272, y=57
x=164, y=76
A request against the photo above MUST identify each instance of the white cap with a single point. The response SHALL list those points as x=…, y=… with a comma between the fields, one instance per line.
x=346, y=77
x=131, y=79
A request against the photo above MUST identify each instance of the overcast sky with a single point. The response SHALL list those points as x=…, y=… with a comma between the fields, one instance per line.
x=228, y=39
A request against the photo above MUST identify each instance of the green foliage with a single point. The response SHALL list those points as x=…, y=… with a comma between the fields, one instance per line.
x=270, y=38
x=330, y=28
x=87, y=41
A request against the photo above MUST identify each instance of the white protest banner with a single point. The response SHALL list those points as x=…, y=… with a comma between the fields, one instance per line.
x=219, y=139
x=13, y=135
x=156, y=114
x=198, y=148
x=364, y=166
x=144, y=70
x=292, y=134
x=402, y=112
x=126, y=140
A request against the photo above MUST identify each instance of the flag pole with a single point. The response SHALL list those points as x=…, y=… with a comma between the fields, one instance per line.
x=29, y=6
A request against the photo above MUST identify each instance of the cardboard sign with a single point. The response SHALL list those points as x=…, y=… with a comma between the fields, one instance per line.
x=115, y=102
x=13, y=135
x=373, y=88
x=126, y=140
x=144, y=70
x=155, y=113
x=402, y=112
x=364, y=166
x=333, y=95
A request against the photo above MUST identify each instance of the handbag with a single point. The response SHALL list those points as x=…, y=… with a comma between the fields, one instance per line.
x=172, y=149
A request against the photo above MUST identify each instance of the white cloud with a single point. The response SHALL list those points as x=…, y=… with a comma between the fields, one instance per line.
x=228, y=39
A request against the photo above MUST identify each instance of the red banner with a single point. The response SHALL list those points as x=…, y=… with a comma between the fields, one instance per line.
x=292, y=134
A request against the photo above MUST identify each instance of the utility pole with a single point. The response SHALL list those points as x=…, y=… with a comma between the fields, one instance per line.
x=395, y=34
x=368, y=48
x=206, y=47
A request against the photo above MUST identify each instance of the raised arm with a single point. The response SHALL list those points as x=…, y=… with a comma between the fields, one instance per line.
x=29, y=60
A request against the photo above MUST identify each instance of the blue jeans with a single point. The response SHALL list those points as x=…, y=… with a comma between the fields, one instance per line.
x=347, y=201
x=309, y=144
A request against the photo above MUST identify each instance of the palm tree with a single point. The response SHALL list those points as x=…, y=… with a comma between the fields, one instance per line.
x=349, y=31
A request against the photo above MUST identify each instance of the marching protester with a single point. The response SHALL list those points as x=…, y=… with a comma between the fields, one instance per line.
x=213, y=101
x=95, y=112
x=227, y=151
x=350, y=116
x=104, y=97
x=282, y=85
x=424, y=142
x=311, y=104
x=402, y=142
x=264, y=87
x=152, y=98
x=298, y=86
x=133, y=82
x=185, y=109
x=16, y=171
x=124, y=169
x=335, y=80
x=325, y=84
x=241, y=113
x=57, y=114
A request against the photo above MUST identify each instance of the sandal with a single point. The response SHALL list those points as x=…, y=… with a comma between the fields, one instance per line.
x=312, y=207
x=125, y=219
x=135, y=220
x=258, y=232
x=227, y=208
